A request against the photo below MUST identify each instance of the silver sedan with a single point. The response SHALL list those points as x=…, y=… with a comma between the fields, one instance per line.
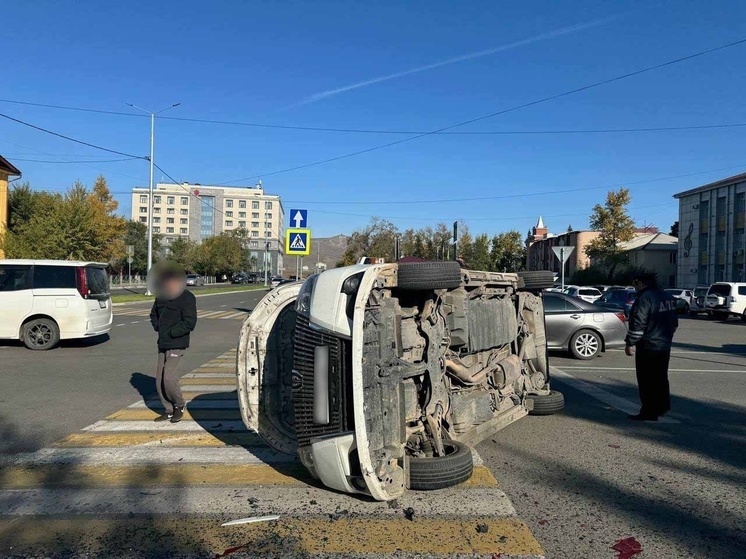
x=582, y=328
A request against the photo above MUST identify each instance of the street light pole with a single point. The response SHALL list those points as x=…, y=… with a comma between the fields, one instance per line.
x=150, y=189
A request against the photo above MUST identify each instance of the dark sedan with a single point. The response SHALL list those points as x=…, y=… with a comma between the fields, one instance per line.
x=618, y=299
x=584, y=329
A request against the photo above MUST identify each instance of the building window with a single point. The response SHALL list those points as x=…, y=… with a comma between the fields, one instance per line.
x=268, y=225
x=157, y=199
x=183, y=230
x=255, y=233
x=143, y=198
x=156, y=220
x=170, y=211
x=255, y=206
x=143, y=210
x=183, y=221
x=156, y=229
x=241, y=214
x=255, y=224
x=242, y=203
x=156, y=210
x=267, y=205
x=207, y=216
x=170, y=220
x=143, y=219
x=672, y=258
x=255, y=215
x=242, y=224
x=169, y=229
x=254, y=244
x=184, y=200
x=228, y=214
x=229, y=223
x=170, y=200
x=184, y=211
x=268, y=215
x=268, y=234
x=229, y=203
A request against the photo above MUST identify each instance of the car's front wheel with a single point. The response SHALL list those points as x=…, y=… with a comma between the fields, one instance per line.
x=585, y=344
x=41, y=334
x=439, y=472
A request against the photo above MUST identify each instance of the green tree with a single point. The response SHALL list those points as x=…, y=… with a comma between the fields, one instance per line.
x=181, y=250
x=480, y=253
x=674, y=229
x=375, y=240
x=222, y=253
x=465, y=244
x=136, y=235
x=508, y=253
x=615, y=226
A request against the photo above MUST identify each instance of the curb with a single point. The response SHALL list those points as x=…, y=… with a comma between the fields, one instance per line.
x=196, y=295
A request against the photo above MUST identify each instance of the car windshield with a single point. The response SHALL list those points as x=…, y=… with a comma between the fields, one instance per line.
x=722, y=290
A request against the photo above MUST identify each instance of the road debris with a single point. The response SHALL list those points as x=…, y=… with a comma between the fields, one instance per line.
x=409, y=513
x=627, y=547
x=251, y=520
x=482, y=528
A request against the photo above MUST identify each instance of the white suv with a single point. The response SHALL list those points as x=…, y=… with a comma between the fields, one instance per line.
x=45, y=301
x=726, y=299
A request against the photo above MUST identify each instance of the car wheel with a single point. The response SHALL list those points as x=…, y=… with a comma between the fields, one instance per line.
x=693, y=313
x=423, y=276
x=585, y=344
x=41, y=334
x=547, y=404
x=537, y=280
x=440, y=472
x=743, y=316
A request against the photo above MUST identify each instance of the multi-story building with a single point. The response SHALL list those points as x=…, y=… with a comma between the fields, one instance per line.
x=539, y=254
x=196, y=212
x=712, y=243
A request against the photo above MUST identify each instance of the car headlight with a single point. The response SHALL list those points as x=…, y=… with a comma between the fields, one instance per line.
x=303, y=302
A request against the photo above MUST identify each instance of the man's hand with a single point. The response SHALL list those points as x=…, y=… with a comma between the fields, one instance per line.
x=629, y=350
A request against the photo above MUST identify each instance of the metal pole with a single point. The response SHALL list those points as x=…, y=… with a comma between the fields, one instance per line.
x=266, y=265
x=150, y=198
x=562, y=265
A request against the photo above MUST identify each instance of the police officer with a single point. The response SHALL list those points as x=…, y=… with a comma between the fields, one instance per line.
x=652, y=323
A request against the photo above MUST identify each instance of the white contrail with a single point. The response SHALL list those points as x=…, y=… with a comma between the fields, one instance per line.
x=469, y=56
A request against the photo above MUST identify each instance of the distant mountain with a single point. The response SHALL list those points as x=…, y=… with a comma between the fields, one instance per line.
x=328, y=250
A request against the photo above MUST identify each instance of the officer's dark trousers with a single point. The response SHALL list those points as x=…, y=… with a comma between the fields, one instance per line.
x=652, y=379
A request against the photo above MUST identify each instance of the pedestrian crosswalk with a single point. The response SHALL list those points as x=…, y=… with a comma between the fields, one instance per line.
x=128, y=486
x=230, y=314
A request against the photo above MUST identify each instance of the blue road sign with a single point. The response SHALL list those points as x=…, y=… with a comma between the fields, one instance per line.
x=297, y=242
x=299, y=219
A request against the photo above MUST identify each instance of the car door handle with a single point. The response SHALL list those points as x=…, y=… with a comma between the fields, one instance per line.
x=575, y=316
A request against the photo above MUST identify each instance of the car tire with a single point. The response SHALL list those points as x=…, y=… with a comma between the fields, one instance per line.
x=743, y=316
x=585, y=344
x=693, y=314
x=547, y=404
x=439, y=472
x=423, y=276
x=540, y=279
x=40, y=334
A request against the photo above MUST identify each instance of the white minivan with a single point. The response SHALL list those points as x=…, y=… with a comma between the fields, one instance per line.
x=45, y=301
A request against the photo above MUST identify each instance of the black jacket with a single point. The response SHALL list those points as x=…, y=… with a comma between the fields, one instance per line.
x=173, y=320
x=652, y=320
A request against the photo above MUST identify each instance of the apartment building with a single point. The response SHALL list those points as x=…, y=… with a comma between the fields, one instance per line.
x=196, y=212
x=712, y=239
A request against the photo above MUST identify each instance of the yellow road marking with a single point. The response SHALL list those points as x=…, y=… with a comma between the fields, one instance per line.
x=481, y=477
x=148, y=475
x=142, y=414
x=188, y=535
x=161, y=439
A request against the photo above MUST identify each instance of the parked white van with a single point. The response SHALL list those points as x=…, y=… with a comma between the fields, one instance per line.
x=726, y=299
x=45, y=301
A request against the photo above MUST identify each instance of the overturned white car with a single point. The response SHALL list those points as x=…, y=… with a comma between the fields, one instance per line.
x=380, y=376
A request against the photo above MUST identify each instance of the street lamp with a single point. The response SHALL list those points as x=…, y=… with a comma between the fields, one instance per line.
x=150, y=197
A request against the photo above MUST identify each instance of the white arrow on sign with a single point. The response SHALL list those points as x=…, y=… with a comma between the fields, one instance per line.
x=298, y=219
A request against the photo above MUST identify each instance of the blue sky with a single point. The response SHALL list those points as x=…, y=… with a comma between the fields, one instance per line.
x=318, y=64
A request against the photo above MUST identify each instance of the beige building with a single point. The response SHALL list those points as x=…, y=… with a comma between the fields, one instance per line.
x=7, y=170
x=539, y=244
x=196, y=212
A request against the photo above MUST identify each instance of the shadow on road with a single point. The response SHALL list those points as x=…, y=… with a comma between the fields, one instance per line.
x=145, y=386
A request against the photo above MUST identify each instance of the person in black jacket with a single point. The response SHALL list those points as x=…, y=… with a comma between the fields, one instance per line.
x=652, y=324
x=173, y=316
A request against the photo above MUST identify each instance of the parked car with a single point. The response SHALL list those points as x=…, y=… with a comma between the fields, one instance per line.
x=381, y=376
x=45, y=301
x=582, y=328
x=726, y=299
x=274, y=281
x=589, y=294
x=618, y=299
x=698, y=300
x=685, y=295
x=240, y=278
x=195, y=279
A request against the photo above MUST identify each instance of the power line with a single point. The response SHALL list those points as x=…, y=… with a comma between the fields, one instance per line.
x=394, y=131
x=496, y=113
x=76, y=162
x=72, y=139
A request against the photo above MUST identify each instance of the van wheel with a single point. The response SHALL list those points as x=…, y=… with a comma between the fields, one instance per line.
x=547, y=404
x=41, y=334
x=534, y=280
x=439, y=472
x=424, y=276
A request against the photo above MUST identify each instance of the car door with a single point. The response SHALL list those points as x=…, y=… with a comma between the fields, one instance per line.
x=16, y=298
x=563, y=318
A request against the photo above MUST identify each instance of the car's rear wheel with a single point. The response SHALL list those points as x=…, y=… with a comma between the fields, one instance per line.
x=539, y=279
x=547, y=404
x=440, y=472
x=585, y=344
x=41, y=334
x=424, y=276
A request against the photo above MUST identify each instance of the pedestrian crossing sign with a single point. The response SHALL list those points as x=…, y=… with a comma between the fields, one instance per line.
x=297, y=242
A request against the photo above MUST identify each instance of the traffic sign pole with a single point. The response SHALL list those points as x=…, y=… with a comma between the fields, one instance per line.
x=562, y=253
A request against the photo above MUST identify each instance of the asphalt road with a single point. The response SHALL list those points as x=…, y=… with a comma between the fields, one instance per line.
x=47, y=395
x=579, y=481
x=589, y=477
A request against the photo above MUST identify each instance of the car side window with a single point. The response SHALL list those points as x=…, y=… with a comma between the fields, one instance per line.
x=15, y=278
x=554, y=304
x=54, y=277
x=742, y=289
